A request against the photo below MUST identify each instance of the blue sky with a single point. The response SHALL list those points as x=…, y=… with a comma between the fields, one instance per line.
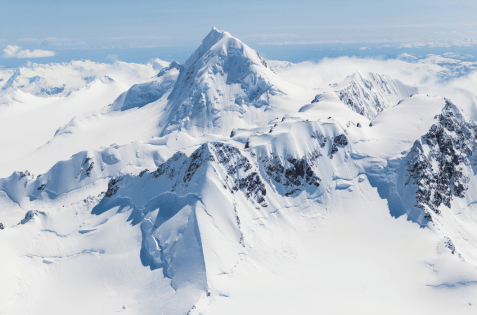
x=55, y=25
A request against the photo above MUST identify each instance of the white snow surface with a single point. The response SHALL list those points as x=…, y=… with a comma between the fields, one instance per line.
x=218, y=186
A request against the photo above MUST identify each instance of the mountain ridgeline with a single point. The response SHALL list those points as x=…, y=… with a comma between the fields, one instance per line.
x=235, y=185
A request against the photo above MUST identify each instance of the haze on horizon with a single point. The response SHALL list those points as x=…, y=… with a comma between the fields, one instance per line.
x=53, y=25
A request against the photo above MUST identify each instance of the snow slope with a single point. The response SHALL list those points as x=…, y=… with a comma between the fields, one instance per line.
x=216, y=187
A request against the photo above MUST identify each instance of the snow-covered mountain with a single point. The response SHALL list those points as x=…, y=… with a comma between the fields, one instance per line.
x=224, y=83
x=450, y=65
x=60, y=79
x=368, y=94
x=215, y=187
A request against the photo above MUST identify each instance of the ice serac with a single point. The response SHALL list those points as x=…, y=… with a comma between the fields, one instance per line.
x=370, y=93
x=223, y=84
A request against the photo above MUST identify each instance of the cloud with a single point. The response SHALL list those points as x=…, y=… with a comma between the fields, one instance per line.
x=10, y=51
x=15, y=52
x=440, y=76
x=334, y=70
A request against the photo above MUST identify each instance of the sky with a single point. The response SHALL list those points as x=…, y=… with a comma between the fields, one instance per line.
x=39, y=29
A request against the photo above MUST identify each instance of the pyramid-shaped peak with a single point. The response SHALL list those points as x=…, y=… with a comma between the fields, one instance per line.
x=220, y=42
x=220, y=82
x=216, y=35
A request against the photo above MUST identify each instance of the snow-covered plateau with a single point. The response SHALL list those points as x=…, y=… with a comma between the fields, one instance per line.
x=231, y=184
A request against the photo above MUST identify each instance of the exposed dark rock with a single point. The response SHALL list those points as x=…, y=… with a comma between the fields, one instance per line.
x=439, y=171
x=166, y=168
x=317, y=98
x=450, y=245
x=28, y=216
x=241, y=241
x=25, y=174
x=292, y=192
x=292, y=173
x=338, y=141
x=89, y=169
x=236, y=167
x=198, y=158
x=112, y=188
x=341, y=140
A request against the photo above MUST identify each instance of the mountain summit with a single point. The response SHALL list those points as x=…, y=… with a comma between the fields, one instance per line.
x=222, y=82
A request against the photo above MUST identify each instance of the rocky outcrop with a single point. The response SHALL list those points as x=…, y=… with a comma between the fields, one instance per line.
x=29, y=216
x=112, y=187
x=439, y=163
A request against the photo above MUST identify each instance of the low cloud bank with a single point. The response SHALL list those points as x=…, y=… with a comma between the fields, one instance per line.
x=451, y=75
x=16, y=52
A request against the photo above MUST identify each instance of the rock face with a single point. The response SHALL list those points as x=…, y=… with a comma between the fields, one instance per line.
x=369, y=93
x=439, y=164
x=29, y=216
x=294, y=174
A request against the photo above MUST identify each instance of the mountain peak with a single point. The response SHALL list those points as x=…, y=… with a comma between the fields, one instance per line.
x=222, y=81
x=369, y=93
x=215, y=42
